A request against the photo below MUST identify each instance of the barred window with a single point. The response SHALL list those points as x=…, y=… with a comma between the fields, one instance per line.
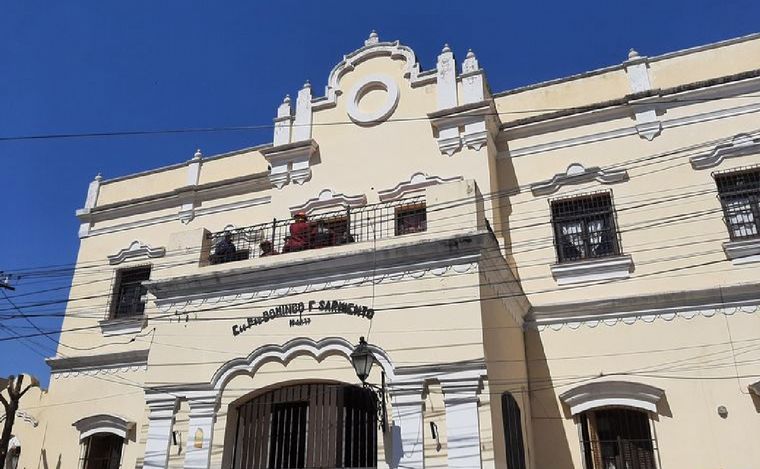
x=584, y=227
x=411, y=219
x=617, y=438
x=101, y=451
x=128, y=292
x=513, y=437
x=739, y=193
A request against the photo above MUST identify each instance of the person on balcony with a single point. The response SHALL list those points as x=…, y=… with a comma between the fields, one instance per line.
x=267, y=249
x=323, y=235
x=224, y=250
x=300, y=234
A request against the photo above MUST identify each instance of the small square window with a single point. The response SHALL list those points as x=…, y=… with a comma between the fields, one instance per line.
x=411, y=219
x=128, y=292
x=584, y=227
x=739, y=193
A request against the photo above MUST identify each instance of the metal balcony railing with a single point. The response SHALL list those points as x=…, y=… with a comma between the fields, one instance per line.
x=281, y=237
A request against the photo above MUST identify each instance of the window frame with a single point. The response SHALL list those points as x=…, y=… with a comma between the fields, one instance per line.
x=727, y=195
x=85, y=446
x=584, y=422
x=584, y=218
x=118, y=283
x=405, y=210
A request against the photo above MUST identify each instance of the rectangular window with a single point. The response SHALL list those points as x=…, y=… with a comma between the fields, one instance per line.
x=101, y=451
x=411, y=219
x=739, y=193
x=584, y=227
x=128, y=292
x=617, y=438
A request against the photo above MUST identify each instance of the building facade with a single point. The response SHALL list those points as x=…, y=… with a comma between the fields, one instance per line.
x=563, y=275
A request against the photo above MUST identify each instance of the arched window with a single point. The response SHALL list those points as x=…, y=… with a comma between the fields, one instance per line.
x=614, y=417
x=617, y=438
x=308, y=425
x=102, y=437
x=513, y=437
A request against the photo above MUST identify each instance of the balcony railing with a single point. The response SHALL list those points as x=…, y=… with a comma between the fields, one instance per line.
x=281, y=237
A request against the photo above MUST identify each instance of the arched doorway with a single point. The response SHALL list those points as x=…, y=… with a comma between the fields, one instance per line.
x=320, y=425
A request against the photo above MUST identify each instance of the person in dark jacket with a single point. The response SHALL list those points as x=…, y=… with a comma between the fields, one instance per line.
x=225, y=249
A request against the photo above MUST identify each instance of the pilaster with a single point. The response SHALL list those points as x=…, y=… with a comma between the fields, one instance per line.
x=162, y=409
x=283, y=123
x=302, y=123
x=408, y=407
x=446, y=87
x=462, y=422
x=648, y=123
x=93, y=191
x=203, y=408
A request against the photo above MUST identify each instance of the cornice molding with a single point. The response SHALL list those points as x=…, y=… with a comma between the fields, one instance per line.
x=104, y=423
x=741, y=145
x=106, y=363
x=593, y=270
x=576, y=173
x=136, y=250
x=743, y=252
x=416, y=182
x=291, y=162
x=327, y=198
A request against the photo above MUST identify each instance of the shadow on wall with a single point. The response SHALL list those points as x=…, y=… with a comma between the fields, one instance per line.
x=550, y=442
x=756, y=401
x=45, y=464
x=506, y=180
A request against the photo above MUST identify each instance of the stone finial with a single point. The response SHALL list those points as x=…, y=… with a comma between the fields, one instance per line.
x=198, y=155
x=286, y=99
x=306, y=85
x=372, y=39
x=632, y=54
x=470, y=63
x=98, y=177
x=470, y=54
x=446, y=48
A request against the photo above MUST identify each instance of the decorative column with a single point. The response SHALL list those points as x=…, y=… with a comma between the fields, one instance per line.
x=93, y=190
x=462, y=423
x=160, y=422
x=203, y=407
x=407, y=414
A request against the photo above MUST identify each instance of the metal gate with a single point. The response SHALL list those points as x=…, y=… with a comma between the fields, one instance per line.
x=308, y=426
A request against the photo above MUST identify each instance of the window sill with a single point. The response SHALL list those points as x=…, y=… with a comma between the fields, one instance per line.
x=743, y=252
x=112, y=327
x=604, y=268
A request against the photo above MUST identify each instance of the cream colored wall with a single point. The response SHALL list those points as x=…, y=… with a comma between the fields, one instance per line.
x=683, y=357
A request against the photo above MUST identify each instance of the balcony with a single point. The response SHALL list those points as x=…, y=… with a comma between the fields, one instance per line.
x=282, y=237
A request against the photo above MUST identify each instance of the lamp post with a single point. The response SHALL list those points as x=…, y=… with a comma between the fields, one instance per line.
x=362, y=359
x=15, y=393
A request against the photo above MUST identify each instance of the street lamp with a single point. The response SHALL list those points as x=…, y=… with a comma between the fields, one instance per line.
x=362, y=359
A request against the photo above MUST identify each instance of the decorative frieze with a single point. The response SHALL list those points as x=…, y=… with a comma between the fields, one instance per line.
x=576, y=173
x=136, y=250
x=329, y=199
x=417, y=182
x=741, y=145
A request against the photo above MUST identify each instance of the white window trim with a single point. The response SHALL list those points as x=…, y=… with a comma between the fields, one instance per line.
x=593, y=270
x=612, y=394
x=742, y=251
x=104, y=423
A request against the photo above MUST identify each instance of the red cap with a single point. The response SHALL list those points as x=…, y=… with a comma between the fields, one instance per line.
x=300, y=214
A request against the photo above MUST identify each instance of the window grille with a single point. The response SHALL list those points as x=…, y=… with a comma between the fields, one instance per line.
x=512, y=419
x=128, y=292
x=101, y=451
x=739, y=193
x=584, y=227
x=617, y=438
x=411, y=219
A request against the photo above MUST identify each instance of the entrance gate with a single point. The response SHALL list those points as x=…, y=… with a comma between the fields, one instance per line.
x=308, y=426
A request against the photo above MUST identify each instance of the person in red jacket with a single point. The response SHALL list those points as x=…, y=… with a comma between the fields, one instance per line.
x=300, y=234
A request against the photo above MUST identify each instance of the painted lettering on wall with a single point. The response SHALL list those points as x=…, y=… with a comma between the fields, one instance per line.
x=301, y=313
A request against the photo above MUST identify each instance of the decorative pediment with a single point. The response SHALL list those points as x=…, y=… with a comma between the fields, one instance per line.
x=612, y=393
x=741, y=144
x=136, y=250
x=576, y=174
x=327, y=199
x=417, y=182
x=104, y=423
x=372, y=48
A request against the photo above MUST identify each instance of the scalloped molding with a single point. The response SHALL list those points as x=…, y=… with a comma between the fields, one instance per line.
x=629, y=318
x=576, y=173
x=416, y=182
x=136, y=250
x=381, y=113
x=288, y=351
x=188, y=304
x=327, y=198
x=742, y=144
x=612, y=393
x=92, y=365
x=103, y=423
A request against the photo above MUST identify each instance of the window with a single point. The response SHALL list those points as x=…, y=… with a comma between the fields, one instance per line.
x=128, y=292
x=513, y=438
x=101, y=451
x=411, y=219
x=739, y=193
x=584, y=227
x=617, y=438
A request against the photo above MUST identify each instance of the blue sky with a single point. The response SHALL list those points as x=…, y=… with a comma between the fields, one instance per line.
x=73, y=67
